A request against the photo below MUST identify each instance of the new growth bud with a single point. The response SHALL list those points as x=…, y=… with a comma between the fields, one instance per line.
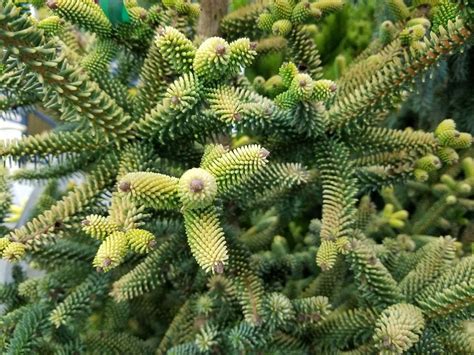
x=125, y=186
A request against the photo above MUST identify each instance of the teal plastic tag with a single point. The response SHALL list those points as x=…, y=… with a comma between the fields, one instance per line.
x=115, y=11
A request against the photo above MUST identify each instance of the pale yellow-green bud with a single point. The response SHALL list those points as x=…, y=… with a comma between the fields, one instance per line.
x=14, y=251
x=111, y=252
x=4, y=242
x=140, y=241
x=197, y=188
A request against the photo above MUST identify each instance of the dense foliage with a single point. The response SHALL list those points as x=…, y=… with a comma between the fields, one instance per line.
x=239, y=191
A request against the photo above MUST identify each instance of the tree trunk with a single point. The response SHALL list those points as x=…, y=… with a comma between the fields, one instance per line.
x=212, y=11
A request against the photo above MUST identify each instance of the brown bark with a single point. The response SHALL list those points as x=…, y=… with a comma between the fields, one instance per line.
x=212, y=11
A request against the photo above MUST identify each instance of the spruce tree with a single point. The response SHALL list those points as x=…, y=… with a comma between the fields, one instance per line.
x=226, y=210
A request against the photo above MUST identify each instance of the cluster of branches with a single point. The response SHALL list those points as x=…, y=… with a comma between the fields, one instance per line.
x=219, y=214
